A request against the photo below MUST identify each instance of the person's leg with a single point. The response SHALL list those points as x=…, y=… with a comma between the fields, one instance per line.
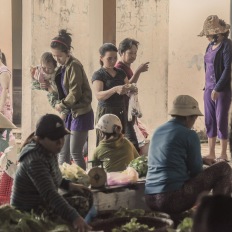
x=64, y=155
x=131, y=135
x=77, y=142
x=210, y=123
x=222, y=115
x=211, y=146
x=217, y=177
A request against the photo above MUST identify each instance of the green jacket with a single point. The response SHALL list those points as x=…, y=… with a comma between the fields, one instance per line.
x=76, y=84
x=119, y=152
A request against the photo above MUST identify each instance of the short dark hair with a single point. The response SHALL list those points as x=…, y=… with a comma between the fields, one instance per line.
x=3, y=58
x=48, y=58
x=127, y=44
x=107, y=47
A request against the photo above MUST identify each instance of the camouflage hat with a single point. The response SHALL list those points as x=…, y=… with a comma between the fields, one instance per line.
x=212, y=26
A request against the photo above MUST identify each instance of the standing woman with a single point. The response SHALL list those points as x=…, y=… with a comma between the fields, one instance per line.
x=110, y=84
x=75, y=94
x=5, y=101
x=217, y=91
x=128, y=52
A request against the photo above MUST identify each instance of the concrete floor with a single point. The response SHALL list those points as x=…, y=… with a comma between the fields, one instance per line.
x=204, y=150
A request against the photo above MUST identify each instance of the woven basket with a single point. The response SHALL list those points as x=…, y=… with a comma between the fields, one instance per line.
x=160, y=224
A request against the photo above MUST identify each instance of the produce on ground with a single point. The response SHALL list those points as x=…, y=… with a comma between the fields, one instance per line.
x=75, y=173
x=133, y=226
x=140, y=165
x=12, y=220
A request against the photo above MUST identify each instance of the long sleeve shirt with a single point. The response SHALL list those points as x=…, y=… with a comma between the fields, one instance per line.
x=174, y=157
x=37, y=180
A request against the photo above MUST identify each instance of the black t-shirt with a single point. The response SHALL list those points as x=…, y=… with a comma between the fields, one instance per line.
x=109, y=82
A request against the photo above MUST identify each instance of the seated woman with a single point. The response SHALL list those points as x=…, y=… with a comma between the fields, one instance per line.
x=175, y=175
x=115, y=149
x=38, y=176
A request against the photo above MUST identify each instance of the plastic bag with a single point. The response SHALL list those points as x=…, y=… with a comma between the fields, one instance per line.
x=8, y=161
x=130, y=175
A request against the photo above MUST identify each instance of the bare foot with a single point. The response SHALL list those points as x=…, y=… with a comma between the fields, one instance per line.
x=209, y=156
x=222, y=158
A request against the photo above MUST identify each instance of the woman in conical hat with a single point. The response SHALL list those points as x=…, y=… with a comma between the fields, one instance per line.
x=5, y=123
x=217, y=90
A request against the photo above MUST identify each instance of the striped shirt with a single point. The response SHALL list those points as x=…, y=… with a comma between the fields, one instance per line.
x=36, y=183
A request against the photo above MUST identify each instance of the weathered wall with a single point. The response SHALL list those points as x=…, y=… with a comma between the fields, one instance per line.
x=6, y=31
x=186, y=49
x=147, y=21
x=167, y=33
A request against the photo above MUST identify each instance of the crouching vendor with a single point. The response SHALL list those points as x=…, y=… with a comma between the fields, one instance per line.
x=38, y=176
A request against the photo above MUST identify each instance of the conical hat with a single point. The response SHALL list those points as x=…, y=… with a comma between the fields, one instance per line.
x=6, y=123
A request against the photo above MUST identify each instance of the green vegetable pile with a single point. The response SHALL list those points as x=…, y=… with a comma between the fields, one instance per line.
x=133, y=226
x=140, y=165
x=124, y=212
x=186, y=225
x=12, y=220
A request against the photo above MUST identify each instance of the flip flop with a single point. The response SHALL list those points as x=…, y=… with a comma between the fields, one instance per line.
x=221, y=159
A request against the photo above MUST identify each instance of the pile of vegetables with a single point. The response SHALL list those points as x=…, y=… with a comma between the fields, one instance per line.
x=140, y=165
x=133, y=226
x=74, y=173
x=185, y=226
x=14, y=220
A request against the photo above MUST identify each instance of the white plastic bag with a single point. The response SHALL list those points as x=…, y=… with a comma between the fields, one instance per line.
x=8, y=161
x=130, y=175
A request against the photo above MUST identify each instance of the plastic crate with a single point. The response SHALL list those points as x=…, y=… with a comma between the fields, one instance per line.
x=6, y=183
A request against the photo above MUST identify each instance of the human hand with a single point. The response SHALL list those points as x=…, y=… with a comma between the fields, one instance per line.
x=58, y=107
x=63, y=116
x=214, y=95
x=81, y=225
x=121, y=89
x=32, y=71
x=78, y=188
x=143, y=67
x=208, y=161
x=45, y=85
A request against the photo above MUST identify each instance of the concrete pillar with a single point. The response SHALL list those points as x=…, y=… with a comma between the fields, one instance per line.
x=109, y=21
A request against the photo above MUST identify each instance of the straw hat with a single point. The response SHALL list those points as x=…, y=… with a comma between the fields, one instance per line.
x=185, y=105
x=107, y=123
x=213, y=27
x=6, y=123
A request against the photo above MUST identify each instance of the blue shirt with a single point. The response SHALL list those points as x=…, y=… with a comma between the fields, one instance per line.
x=174, y=157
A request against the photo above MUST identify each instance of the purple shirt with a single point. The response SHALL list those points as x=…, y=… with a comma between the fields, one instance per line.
x=210, y=79
x=82, y=122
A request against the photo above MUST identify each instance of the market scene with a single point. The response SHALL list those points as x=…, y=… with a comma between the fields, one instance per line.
x=115, y=116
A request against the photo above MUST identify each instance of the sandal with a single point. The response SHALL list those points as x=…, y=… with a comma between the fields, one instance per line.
x=221, y=159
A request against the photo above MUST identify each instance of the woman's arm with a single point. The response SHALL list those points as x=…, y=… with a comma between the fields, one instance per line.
x=5, y=84
x=105, y=94
x=138, y=71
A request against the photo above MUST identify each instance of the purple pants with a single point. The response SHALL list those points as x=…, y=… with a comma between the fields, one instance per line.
x=216, y=114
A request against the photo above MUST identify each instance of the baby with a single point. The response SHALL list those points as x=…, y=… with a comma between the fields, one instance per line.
x=43, y=78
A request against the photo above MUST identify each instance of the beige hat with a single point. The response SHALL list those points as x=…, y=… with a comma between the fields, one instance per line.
x=185, y=105
x=213, y=27
x=107, y=122
x=6, y=123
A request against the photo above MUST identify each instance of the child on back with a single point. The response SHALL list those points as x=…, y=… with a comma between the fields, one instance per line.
x=43, y=78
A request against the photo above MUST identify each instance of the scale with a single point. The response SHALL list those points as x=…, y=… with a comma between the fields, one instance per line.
x=97, y=174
